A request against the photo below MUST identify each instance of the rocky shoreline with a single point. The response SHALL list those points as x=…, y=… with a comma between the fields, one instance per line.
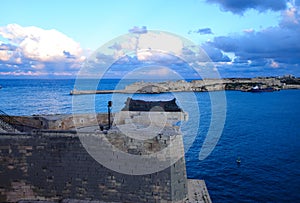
x=258, y=84
x=240, y=84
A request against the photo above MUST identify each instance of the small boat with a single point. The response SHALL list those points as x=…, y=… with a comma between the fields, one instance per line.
x=238, y=160
x=0, y=87
x=260, y=89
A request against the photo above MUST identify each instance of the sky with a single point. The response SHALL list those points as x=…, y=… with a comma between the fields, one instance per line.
x=54, y=38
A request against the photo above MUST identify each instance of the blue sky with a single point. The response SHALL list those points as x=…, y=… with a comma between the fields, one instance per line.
x=243, y=38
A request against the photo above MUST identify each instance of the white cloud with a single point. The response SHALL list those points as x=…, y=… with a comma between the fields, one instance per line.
x=143, y=56
x=33, y=51
x=274, y=64
x=23, y=73
x=161, y=41
x=160, y=71
x=42, y=45
x=153, y=72
x=291, y=17
x=149, y=41
x=38, y=66
x=129, y=44
x=5, y=55
x=250, y=30
x=151, y=46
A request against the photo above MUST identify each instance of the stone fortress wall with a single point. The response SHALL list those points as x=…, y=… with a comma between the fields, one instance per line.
x=54, y=165
x=62, y=122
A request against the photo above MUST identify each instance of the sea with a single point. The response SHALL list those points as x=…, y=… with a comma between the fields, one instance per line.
x=262, y=130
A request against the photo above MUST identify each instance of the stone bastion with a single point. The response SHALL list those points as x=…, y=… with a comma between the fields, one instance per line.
x=52, y=163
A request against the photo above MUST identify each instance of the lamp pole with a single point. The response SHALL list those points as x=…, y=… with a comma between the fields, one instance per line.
x=109, y=105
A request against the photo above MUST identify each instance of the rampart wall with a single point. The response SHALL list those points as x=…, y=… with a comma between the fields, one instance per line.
x=56, y=166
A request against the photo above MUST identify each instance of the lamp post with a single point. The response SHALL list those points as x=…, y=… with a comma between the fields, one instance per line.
x=109, y=105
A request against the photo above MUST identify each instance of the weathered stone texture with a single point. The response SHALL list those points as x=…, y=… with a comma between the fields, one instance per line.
x=55, y=167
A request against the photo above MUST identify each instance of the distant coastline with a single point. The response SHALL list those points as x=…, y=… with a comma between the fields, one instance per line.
x=258, y=84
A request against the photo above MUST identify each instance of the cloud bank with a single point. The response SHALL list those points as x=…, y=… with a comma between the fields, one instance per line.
x=29, y=49
x=148, y=53
x=239, y=7
x=273, y=50
x=33, y=51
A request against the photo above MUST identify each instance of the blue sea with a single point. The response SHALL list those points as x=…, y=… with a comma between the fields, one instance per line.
x=262, y=129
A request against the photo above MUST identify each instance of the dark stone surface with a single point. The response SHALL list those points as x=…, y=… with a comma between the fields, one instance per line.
x=141, y=105
x=57, y=167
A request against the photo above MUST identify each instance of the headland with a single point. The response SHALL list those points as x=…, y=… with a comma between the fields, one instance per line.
x=238, y=84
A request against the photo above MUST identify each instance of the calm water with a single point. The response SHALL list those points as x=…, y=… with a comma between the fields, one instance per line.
x=262, y=129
